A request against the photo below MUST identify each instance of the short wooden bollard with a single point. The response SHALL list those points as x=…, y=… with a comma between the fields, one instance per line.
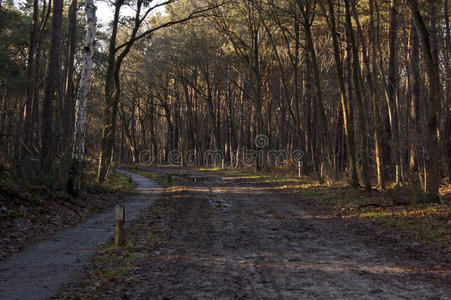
x=119, y=240
x=299, y=169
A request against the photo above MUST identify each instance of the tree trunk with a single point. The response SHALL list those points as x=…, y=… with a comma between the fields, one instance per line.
x=68, y=114
x=308, y=87
x=47, y=138
x=347, y=122
x=393, y=91
x=359, y=98
x=30, y=75
x=79, y=137
x=257, y=97
x=374, y=101
x=324, y=140
x=448, y=90
x=433, y=75
x=415, y=82
x=110, y=105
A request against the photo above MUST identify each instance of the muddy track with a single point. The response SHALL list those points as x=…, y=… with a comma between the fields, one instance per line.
x=238, y=240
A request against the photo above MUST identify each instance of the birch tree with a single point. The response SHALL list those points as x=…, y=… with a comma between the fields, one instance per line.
x=79, y=136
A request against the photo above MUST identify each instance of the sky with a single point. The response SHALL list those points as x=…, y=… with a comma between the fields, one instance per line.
x=105, y=10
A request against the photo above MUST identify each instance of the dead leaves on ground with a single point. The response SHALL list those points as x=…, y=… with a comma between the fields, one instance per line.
x=33, y=212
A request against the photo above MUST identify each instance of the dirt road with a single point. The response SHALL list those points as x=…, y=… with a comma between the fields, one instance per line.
x=233, y=239
x=239, y=240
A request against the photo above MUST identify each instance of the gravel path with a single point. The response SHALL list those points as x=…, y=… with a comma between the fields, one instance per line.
x=41, y=269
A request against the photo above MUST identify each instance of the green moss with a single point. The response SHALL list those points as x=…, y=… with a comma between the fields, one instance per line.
x=115, y=183
x=119, y=182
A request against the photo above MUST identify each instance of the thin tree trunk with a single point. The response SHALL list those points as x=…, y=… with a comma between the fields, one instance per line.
x=415, y=81
x=240, y=121
x=375, y=104
x=68, y=114
x=393, y=91
x=30, y=75
x=258, y=101
x=448, y=89
x=229, y=150
x=308, y=87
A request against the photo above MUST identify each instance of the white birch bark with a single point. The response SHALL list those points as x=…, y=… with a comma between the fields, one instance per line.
x=78, y=150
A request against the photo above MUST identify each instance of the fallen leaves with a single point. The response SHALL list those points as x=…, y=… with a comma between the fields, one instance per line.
x=35, y=212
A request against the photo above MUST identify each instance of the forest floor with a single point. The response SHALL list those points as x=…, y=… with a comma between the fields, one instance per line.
x=232, y=235
x=33, y=210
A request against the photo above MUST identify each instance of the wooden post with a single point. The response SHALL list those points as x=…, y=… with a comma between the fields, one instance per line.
x=120, y=220
x=299, y=169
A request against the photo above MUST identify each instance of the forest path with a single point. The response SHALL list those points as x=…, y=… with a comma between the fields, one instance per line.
x=239, y=239
x=38, y=271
